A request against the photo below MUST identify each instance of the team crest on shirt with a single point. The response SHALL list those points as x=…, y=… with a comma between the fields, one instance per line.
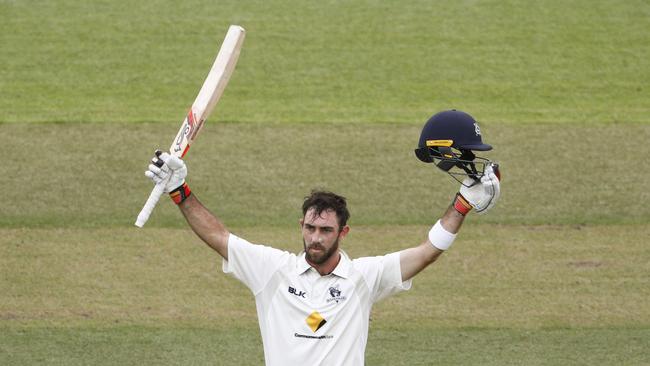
x=335, y=294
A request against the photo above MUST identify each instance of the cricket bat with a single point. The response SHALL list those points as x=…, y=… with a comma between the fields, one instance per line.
x=208, y=96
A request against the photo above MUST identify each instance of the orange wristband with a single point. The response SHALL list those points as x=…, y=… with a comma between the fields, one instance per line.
x=461, y=205
x=180, y=194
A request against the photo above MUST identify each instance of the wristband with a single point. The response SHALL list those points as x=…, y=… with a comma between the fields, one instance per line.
x=461, y=205
x=181, y=193
x=441, y=238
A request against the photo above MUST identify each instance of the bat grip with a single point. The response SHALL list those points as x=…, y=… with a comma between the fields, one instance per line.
x=146, y=211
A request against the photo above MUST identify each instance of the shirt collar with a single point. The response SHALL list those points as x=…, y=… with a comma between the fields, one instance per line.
x=342, y=269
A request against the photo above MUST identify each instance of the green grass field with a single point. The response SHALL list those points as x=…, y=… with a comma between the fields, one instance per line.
x=326, y=94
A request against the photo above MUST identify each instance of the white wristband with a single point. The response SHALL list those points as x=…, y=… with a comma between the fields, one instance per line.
x=441, y=238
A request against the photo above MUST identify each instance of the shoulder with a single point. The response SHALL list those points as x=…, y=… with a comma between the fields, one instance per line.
x=382, y=275
x=255, y=264
x=241, y=248
x=375, y=262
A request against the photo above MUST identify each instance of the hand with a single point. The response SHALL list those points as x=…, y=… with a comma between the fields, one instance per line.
x=483, y=195
x=167, y=168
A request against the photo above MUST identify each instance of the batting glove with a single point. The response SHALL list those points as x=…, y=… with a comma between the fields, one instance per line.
x=482, y=195
x=168, y=169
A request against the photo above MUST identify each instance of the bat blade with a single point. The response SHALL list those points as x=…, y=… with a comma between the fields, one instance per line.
x=212, y=89
x=210, y=93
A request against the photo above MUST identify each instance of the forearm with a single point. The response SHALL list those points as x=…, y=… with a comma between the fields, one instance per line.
x=414, y=260
x=452, y=220
x=206, y=225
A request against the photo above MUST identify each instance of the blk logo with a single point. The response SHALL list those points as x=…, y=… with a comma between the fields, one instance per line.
x=297, y=292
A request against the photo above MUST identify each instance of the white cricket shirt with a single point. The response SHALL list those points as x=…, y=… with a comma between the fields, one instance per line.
x=309, y=319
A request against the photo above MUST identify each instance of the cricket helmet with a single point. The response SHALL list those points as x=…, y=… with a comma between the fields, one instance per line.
x=448, y=140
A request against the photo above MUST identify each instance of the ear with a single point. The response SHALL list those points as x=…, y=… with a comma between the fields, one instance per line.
x=344, y=232
x=301, y=222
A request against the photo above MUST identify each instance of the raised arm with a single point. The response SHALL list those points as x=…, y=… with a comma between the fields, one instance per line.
x=413, y=260
x=482, y=196
x=207, y=226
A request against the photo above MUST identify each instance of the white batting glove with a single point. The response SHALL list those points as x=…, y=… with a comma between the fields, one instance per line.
x=167, y=168
x=482, y=195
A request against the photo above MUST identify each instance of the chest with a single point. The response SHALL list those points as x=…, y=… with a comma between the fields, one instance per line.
x=319, y=292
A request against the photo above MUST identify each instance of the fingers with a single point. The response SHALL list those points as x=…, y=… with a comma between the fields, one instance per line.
x=488, y=188
x=485, y=178
x=493, y=168
x=163, y=160
x=488, y=178
x=497, y=187
x=156, y=179
x=167, y=169
x=488, y=169
x=154, y=169
x=491, y=173
x=492, y=189
x=156, y=159
x=155, y=173
x=173, y=161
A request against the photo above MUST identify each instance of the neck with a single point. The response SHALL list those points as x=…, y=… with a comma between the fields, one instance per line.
x=328, y=266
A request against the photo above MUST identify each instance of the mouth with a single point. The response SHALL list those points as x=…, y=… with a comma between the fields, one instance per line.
x=316, y=247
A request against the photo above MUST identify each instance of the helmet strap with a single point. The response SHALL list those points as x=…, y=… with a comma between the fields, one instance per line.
x=446, y=158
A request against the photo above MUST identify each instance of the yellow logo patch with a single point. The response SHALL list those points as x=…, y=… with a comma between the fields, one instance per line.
x=315, y=321
x=446, y=143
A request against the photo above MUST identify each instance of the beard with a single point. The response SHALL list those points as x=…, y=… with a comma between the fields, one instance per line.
x=322, y=256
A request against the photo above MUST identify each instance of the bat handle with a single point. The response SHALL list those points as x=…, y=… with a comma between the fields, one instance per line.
x=146, y=211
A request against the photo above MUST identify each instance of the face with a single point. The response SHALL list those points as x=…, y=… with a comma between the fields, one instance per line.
x=320, y=235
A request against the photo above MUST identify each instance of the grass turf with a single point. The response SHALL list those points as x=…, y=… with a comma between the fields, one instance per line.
x=362, y=61
x=538, y=295
x=73, y=175
x=133, y=345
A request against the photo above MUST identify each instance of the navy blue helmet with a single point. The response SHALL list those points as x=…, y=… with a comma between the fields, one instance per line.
x=448, y=140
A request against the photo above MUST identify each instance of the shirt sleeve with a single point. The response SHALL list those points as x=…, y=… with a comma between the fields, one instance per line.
x=383, y=275
x=252, y=264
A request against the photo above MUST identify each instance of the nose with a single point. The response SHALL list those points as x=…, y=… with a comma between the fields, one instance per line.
x=316, y=237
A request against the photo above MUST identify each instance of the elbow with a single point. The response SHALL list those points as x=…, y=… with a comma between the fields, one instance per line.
x=431, y=253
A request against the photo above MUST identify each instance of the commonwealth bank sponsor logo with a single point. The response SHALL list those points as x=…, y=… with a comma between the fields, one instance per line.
x=327, y=336
x=315, y=321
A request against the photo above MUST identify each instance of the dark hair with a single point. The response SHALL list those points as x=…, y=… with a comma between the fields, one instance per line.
x=323, y=201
